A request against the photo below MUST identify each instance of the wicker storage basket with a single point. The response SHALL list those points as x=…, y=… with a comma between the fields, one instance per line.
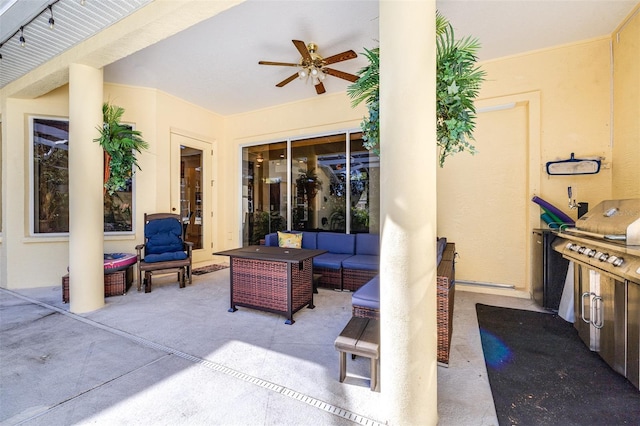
x=115, y=283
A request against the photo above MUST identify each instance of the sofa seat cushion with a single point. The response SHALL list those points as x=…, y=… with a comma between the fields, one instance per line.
x=330, y=260
x=368, y=296
x=362, y=261
x=164, y=257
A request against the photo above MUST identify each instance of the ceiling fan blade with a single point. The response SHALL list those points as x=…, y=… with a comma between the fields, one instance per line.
x=341, y=74
x=282, y=64
x=287, y=80
x=302, y=48
x=320, y=88
x=344, y=56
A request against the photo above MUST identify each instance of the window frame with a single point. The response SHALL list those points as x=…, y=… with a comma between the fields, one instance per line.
x=31, y=202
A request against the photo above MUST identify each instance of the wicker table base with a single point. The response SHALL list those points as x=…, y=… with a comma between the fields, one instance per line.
x=272, y=279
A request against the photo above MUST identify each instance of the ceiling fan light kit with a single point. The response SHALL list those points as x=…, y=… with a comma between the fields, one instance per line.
x=313, y=66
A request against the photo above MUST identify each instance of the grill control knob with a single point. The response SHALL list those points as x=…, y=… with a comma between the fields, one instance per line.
x=582, y=249
x=612, y=259
x=575, y=247
x=590, y=252
x=569, y=246
x=602, y=257
x=619, y=261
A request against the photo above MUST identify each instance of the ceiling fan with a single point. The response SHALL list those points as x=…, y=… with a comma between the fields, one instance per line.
x=314, y=66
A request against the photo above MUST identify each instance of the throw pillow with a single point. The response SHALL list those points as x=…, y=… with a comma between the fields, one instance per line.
x=288, y=240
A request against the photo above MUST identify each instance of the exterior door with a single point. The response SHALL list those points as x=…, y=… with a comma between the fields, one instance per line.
x=191, y=191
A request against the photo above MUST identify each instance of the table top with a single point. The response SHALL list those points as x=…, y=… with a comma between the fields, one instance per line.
x=278, y=254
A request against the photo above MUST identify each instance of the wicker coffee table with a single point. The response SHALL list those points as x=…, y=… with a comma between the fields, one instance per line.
x=271, y=279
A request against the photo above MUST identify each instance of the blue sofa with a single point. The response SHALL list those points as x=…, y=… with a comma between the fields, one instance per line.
x=351, y=259
x=366, y=300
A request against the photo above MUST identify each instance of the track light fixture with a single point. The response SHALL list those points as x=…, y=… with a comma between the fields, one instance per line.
x=51, y=20
x=23, y=42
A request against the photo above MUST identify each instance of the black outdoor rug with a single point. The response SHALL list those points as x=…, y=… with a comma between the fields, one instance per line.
x=542, y=374
x=207, y=269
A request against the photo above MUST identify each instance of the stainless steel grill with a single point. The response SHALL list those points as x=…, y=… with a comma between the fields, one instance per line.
x=605, y=249
x=606, y=238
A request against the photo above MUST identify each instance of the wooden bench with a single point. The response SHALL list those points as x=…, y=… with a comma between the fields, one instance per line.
x=361, y=336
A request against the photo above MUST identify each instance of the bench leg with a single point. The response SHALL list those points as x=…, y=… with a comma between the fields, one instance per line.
x=343, y=366
x=147, y=282
x=374, y=373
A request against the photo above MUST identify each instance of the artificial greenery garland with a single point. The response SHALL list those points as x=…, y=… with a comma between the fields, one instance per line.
x=458, y=81
x=120, y=143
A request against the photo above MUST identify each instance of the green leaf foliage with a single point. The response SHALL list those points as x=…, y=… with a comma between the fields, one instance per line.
x=457, y=86
x=366, y=89
x=121, y=142
x=458, y=82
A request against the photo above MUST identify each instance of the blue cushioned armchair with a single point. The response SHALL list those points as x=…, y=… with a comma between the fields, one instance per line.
x=164, y=249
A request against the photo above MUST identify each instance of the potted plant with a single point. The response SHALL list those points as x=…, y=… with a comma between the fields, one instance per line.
x=120, y=144
x=458, y=81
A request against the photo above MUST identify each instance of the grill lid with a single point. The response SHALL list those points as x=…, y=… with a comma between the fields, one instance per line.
x=613, y=219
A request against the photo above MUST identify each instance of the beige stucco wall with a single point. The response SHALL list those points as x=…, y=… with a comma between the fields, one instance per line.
x=626, y=108
x=30, y=262
x=563, y=95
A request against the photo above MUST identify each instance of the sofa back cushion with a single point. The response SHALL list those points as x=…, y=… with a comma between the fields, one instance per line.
x=368, y=244
x=337, y=243
x=309, y=240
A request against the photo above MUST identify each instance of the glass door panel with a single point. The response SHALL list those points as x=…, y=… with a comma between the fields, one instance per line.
x=264, y=191
x=318, y=169
x=191, y=192
x=191, y=195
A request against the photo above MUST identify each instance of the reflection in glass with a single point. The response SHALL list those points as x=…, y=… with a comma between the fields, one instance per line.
x=264, y=191
x=323, y=184
x=50, y=176
x=191, y=195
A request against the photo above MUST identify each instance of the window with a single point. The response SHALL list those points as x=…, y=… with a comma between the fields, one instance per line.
x=50, y=144
x=323, y=176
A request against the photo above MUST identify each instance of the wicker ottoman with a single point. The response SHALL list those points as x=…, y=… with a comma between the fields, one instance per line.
x=115, y=283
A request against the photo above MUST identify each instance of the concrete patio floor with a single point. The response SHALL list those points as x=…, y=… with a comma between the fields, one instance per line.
x=176, y=356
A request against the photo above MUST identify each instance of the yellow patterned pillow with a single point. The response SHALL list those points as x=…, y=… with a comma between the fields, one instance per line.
x=289, y=240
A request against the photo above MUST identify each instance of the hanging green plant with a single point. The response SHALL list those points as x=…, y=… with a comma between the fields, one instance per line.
x=458, y=81
x=120, y=144
x=367, y=89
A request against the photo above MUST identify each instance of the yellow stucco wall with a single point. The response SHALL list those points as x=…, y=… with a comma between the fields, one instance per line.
x=626, y=107
x=550, y=103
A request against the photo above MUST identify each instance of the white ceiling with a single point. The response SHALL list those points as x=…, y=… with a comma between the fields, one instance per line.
x=215, y=63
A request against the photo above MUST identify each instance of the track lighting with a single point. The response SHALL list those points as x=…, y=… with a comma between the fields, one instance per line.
x=23, y=42
x=51, y=20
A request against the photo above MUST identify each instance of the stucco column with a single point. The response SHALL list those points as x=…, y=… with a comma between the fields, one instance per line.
x=86, y=217
x=408, y=212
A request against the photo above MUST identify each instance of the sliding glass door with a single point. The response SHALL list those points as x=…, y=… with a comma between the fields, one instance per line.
x=327, y=183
